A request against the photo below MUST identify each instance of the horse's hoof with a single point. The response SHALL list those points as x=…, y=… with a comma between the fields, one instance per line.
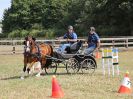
x=37, y=75
x=24, y=69
x=29, y=72
x=21, y=77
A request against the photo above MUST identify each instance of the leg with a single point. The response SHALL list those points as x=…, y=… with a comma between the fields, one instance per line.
x=89, y=50
x=23, y=74
x=24, y=69
x=30, y=66
x=62, y=48
x=25, y=63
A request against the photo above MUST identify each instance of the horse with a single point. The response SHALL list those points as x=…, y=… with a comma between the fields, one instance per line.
x=34, y=52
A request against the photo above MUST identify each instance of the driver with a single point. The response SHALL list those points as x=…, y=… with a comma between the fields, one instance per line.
x=71, y=37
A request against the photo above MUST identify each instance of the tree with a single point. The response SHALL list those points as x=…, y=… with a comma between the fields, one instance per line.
x=55, y=12
x=117, y=17
x=110, y=17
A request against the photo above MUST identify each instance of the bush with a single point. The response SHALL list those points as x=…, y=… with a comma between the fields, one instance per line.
x=34, y=32
x=40, y=34
x=2, y=35
x=24, y=33
x=15, y=33
x=48, y=34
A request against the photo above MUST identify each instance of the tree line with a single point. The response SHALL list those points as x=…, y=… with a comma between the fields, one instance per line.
x=50, y=18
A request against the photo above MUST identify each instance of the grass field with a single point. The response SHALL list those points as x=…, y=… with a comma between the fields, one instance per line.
x=78, y=86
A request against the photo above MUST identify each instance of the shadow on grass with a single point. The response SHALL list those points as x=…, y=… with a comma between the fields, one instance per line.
x=69, y=74
x=11, y=78
x=43, y=74
x=28, y=76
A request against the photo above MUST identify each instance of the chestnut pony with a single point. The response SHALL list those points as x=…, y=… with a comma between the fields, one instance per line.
x=36, y=52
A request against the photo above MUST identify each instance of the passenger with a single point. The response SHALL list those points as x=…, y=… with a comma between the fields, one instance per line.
x=93, y=41
x=71, y=37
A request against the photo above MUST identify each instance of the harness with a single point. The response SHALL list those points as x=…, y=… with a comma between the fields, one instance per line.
x=36, y=55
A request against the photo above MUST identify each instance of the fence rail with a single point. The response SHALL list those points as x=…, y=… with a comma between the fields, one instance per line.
x=104, y=42
x=16, y=45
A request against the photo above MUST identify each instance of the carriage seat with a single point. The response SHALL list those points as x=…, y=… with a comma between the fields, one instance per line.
x=74, y=47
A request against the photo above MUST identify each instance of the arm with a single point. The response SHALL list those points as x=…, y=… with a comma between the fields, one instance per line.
x=58, y=38
x=72, y=40
x=74, y=37
x=88, y=40
x=98, y=45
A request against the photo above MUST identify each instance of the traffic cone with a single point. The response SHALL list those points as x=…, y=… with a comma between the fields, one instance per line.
x=125, y=86
x=98, y=54
x=56, y=90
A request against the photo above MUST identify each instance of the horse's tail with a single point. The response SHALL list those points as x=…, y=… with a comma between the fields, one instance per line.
x=51, y=54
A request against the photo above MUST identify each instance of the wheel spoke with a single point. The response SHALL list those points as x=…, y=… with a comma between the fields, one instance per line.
x=88, y=66
x=51, y=68
x=72, y=66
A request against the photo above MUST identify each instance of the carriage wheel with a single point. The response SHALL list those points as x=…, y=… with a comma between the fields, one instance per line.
x=51, y=68
x=72, y=66
x=88, y=66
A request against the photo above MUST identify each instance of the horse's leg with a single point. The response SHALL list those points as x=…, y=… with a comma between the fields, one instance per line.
x=30, y=66
x=26, y=60
x=24, y=69
x=25, y=64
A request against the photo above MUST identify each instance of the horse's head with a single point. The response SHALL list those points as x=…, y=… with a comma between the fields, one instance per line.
x=29, y=43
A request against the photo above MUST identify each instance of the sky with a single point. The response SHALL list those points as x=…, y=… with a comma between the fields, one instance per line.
x=4, y=4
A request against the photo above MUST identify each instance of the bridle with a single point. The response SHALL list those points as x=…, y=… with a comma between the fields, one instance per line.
x=28, y=49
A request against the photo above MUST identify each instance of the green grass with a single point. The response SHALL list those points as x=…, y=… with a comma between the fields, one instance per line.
x=78, y=86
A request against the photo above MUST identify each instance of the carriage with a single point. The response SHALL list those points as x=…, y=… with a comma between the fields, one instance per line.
x=73, y=59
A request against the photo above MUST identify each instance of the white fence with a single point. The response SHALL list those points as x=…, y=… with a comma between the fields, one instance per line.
x=119, y=42
x=105, y=42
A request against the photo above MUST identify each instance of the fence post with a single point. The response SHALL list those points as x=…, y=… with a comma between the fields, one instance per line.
x=126, y=43
x=13, y=50
x=13, y=44
x=113, y=43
